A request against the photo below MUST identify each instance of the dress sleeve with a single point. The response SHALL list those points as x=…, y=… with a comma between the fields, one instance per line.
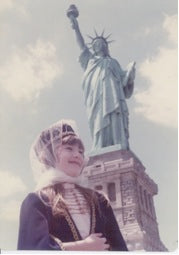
x=112, y=231
x=34, y=227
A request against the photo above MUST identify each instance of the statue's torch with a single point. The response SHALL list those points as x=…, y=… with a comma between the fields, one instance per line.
x=72, y=14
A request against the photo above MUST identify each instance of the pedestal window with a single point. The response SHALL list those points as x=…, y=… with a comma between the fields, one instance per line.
x=112, y=191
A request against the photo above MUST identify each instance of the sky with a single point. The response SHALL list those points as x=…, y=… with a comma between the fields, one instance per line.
x=40, y=83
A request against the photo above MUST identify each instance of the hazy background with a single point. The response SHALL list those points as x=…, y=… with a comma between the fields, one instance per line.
x=40, y=83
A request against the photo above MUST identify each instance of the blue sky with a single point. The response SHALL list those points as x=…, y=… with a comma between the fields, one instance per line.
x=40, y=83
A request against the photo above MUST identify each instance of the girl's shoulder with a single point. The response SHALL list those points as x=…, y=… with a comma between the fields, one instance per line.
x=100, y=196
x=33, y=199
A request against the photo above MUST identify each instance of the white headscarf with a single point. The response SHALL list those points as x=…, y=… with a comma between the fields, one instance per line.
x=54, y=176
x=43, y=159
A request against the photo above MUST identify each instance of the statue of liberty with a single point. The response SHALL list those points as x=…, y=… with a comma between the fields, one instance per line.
x=105, y=86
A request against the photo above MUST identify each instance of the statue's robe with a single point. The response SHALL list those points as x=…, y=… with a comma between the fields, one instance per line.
x=106, y=86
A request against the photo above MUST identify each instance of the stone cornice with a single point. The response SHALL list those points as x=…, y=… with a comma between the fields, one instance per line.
x=107, y=165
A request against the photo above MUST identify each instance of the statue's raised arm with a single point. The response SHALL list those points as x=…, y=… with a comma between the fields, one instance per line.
x=72, y=14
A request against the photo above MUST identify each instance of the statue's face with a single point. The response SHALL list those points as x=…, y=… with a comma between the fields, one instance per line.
x=99, y=46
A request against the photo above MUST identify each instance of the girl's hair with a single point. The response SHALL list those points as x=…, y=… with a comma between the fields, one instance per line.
x=53, y=196
x=73, y=139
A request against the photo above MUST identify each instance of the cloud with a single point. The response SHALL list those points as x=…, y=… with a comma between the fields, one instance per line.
x=5, y=5
x=158, y=103
x=10, y=210
x=18, y=6
x=10, y=184
x=28, y=71
x=170, y=25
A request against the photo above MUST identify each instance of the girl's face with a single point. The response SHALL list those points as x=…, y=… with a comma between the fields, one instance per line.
x=70, y=159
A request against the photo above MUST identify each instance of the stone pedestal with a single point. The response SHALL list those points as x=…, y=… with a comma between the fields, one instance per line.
x=121, y=176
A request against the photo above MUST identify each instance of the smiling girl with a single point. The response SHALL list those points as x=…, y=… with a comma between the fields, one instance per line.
x=62, y=214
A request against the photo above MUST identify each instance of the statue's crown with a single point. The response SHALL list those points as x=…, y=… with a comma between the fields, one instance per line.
x=98, y=36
